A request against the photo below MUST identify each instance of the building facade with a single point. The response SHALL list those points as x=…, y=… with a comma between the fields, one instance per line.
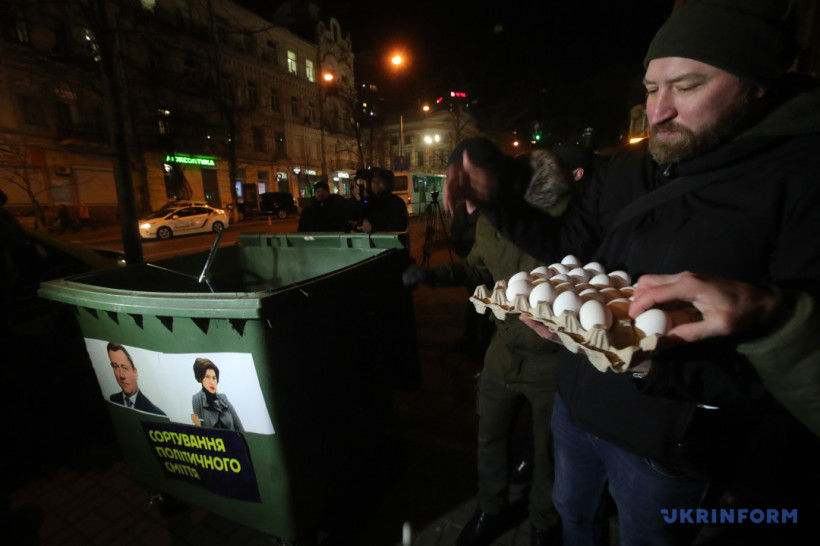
x=215, y=99
x=417, y=147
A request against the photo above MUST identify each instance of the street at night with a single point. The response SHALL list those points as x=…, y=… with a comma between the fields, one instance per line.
x=337, y=272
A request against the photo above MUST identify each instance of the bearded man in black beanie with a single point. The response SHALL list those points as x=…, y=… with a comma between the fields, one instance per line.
x=713, y=210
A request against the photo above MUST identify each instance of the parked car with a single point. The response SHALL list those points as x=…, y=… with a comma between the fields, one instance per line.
x=277, y=203
x=168, y=222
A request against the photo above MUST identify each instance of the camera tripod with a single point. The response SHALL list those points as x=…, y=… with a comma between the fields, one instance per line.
x=435, y=225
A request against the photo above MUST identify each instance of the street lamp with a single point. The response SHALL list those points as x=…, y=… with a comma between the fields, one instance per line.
x=397, y=60
x=327, y=77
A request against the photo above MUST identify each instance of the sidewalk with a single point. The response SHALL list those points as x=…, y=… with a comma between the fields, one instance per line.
x=67, y=484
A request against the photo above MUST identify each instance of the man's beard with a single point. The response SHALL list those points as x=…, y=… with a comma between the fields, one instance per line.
x=689, y=144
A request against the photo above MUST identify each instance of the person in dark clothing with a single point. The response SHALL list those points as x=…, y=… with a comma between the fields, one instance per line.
x=65, y=220
x=383, y=211
x=519, y=367
x=725, y=186
x=326, y=212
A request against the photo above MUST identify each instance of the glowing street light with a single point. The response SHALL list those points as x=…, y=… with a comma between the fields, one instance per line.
x=396, y=60
x=328, y=78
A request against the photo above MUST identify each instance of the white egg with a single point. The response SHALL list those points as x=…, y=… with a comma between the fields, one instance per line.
x=566, y=301
x=596, y=267
x=571, y=261
x=541, y=271
x=520, y=286
x=559, y=269
x=542, y=292
x=652, y=321
x=601, y=279
x=578, y=274
x=521, y=275
x=620, y=279
x=594, y=313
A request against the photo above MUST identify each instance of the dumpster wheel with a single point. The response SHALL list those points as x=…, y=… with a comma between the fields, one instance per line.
x=166, y=504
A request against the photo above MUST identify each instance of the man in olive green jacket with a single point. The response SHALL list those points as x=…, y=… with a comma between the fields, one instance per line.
x=518, y=364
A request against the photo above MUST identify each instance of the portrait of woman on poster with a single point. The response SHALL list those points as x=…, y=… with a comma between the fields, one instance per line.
x=212, y=409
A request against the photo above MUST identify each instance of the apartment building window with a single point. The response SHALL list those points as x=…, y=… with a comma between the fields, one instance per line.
x=271, y=53
x=294, y=107
x=311, y=111
x=226, y=85
x=15, y=28
x=189, y=69
x=419, y=159
x=222, y=30
x=274, y=101
x=32, y=109
x=253, y=97
x=163, y=121
x=292, y=67
x=239, y=181
x=184, y=13
x=309, y=71
x=91, y=45
x=262, y=180
x=259, y=144
x=281, y=149
x=250, y=43
x=66, y=117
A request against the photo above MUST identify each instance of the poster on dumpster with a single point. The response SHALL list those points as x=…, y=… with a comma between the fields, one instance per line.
x=216, y=460
x=218, y=390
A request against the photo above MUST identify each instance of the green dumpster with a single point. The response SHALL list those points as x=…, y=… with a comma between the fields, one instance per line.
x=305, y=335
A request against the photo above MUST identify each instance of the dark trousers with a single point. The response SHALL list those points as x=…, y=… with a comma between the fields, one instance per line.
x=499, y=402
x=586, y=465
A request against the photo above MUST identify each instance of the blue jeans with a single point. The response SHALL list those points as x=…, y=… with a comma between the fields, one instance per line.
x=585, y=465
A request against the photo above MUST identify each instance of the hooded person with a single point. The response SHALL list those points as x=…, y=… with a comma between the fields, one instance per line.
x=383, y=210
x=726, y=187
x=519, y=366
x=326, y=212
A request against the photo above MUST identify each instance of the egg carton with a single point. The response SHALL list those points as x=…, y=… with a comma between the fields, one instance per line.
x=616, y=349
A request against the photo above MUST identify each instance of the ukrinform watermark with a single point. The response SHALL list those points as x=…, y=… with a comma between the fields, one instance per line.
x=705, y=516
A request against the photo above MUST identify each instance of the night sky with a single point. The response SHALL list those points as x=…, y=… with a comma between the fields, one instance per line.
x=568, y=64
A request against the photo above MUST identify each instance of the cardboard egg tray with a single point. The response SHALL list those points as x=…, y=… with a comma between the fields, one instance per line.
x=616, y=349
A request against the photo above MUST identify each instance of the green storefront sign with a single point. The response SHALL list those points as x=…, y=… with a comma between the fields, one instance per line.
x=191, y=159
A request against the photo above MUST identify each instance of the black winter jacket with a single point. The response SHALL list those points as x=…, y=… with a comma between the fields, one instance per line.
x=756, y=222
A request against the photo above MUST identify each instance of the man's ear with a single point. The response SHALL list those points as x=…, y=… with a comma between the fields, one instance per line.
x=578, y=174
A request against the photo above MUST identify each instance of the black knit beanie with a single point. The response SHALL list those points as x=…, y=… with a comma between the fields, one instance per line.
x=752, y=39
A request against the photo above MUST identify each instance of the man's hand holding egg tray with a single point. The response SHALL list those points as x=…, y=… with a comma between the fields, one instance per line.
x=586, y=309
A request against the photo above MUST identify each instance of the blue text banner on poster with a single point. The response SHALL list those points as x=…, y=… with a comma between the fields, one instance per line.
x=214, y=459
